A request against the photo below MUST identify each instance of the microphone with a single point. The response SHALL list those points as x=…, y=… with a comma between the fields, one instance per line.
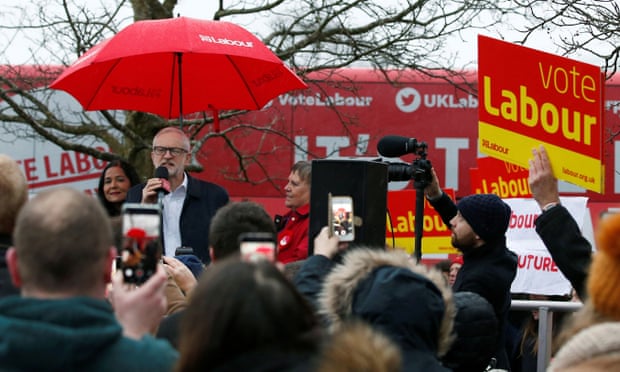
x=396, y=146
x=161, y=172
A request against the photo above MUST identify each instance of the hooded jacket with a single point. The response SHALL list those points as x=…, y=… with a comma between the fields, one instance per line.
x=405, y=301
x=76, y=334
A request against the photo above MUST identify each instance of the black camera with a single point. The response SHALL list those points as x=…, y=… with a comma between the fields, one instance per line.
x=419, y=171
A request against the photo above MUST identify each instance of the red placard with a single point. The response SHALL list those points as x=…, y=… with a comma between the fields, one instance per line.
x=528, y=97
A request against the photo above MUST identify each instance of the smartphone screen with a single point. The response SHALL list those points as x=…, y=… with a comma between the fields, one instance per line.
x=341, y=217
x=141, y=249
x=258, y=246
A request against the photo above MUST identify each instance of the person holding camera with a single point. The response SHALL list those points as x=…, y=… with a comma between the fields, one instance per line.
x=479, y=223
x=188, y=204
x=62, y=262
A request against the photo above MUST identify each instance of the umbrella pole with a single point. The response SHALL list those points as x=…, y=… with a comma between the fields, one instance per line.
x=180, y=63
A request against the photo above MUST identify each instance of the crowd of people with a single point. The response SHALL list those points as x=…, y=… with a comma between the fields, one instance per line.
x=343, y=308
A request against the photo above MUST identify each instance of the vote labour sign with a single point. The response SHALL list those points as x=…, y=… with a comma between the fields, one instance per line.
x=528, y=98
x=506, y=180
x=400, y=225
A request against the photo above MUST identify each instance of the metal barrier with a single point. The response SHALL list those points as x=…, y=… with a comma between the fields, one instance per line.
x=545, y=324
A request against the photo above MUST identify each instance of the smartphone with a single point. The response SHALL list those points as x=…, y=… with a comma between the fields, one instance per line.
x=141, y=248
x=340, y=217
x=258, y=246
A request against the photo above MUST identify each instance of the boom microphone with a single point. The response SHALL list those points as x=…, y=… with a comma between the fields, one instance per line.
x=396, y=146
x=161, y=172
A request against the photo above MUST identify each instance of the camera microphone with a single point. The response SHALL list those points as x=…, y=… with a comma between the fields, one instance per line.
x=161, y=172
x=396, y=146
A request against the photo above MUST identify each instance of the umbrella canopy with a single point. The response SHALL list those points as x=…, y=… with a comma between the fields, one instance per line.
x=176, y=66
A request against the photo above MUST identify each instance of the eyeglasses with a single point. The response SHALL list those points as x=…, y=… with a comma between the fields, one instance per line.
x=174, y=151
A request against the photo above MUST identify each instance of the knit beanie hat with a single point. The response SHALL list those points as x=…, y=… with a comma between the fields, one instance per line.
x=604, y=274
x=487, y=215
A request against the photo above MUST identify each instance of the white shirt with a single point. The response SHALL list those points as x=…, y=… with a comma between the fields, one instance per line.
x=171, y=215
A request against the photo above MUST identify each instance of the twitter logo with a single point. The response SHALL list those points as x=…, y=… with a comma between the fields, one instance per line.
x=408, y=99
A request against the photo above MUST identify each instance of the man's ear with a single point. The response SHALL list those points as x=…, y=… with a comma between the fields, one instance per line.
x=11, y=262
x=107, y=277
x=211, y=254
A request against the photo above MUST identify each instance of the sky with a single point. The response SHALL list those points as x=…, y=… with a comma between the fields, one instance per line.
x=465, y=46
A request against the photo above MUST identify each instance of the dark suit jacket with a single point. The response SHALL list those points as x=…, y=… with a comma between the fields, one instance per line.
x=203, y=199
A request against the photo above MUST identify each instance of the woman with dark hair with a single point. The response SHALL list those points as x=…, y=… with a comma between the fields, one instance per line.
x=115, y=180
x=246, y=316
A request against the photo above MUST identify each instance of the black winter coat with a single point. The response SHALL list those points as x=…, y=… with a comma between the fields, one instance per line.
x=488, y=271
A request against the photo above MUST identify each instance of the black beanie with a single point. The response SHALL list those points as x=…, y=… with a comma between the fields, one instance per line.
x=487, y=215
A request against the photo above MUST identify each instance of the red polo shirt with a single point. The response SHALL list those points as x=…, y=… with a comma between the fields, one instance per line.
x=293, y=238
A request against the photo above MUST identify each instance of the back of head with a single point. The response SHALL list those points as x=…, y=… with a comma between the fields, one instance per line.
x=487, y=214
x=241, y=308
x=13, y=193
x=62, y=239
x=356, y=347
x=232, y=220
x=477, y=330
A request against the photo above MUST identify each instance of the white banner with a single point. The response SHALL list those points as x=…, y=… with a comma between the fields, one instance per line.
x=537, y=273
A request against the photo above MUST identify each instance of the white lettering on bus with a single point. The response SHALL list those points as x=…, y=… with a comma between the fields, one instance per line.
x=318, y=100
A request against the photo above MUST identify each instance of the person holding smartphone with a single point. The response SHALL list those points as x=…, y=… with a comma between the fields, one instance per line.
x=293, y=227
x=61, y=261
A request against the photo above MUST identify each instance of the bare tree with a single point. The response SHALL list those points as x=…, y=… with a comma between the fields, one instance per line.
x=311, y=36
x=575, y=27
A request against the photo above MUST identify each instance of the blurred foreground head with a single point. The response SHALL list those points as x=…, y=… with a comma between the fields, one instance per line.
x=409, y=303
x=13, y=193
x=245, y=314
x=63, y=240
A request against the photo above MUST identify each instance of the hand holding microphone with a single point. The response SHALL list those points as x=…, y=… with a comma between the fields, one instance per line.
x=162, y=173
x=157, y=187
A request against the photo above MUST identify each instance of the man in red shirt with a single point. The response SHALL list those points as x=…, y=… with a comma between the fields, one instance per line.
x=293, y=227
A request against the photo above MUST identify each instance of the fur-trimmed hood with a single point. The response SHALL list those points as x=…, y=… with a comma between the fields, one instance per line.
x=410, y=303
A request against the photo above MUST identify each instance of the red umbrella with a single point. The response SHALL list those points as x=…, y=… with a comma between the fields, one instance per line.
x=179, y=65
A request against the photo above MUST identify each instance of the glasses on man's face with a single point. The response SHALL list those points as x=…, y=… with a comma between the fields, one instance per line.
x=174, y=151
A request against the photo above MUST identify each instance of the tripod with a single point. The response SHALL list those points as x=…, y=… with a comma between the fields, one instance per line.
x=422, y=177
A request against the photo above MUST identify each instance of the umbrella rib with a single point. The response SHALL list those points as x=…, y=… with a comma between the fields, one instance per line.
x=243, y=80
